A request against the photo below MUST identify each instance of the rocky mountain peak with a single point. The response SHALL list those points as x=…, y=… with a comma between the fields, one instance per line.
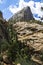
x=23, y=15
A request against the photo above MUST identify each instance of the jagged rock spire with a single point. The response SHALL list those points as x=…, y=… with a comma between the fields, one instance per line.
x=23, y=15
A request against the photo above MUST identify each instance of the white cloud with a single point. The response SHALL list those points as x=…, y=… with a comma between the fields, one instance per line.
x=15, y=9
x=35, y=7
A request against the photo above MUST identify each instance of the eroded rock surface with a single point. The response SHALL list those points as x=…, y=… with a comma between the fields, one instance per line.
x=31, y=34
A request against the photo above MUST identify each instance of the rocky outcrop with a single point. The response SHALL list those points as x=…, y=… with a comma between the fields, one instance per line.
x=31, y=34
x=23, y=15
x=28, y=33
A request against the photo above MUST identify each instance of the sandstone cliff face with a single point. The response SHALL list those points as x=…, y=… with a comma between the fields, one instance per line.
x=31, y=34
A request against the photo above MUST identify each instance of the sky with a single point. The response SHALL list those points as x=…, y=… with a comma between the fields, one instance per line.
x=10, y=7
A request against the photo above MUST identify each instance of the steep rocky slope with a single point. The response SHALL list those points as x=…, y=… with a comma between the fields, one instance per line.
x=23, y=15
x=31, y=34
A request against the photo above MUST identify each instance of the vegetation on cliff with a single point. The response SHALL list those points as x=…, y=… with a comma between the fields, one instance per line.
x=13, y=50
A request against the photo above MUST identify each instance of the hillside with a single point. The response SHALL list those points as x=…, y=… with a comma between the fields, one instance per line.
x=21, y=40
x=29, y=34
